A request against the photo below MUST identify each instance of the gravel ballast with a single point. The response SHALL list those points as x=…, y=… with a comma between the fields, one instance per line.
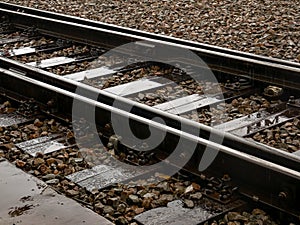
x=263, y=27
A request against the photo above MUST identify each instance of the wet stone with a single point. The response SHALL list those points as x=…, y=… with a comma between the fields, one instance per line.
x=114, y=202
x=121, y=221
x=146, y=203
x=196, y=196
x=258, y=212
x=121, y=208
x=236, y=216
x=149, y=195
x=99, y=207
x=19, y=163
x=164, y=186
x=48, y=177
x=224, y=112
x=72, y=192
x=134, y=199
x=256, y=217
x=209, y=27
x=52, y=182
x=38, y=161
x=165, y=198
x=38, y=123
x=108, y=210
x=189, y=203
x=285, y=137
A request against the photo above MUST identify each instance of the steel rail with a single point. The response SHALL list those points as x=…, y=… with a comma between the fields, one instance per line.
x=144, y=34
x=278, y=72
x=151, y=123
x=57, y=26
x=245, y=168
x=252, y=148
x=276, y=170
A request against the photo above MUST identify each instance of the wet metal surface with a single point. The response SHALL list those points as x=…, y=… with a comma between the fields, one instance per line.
x=85, y=174
x=297, y=153
x=242, y=122
x=11, y=40
x=133, y=87
x=203, y=102
x=32, y=142
x=102, y=176
x=261, y=124
x=7, y=120
x=175, y=214
x=89, y=74
x=43, y=144
x=56, y=61
x=178, y=102
x=27, y=200
x=22, y=51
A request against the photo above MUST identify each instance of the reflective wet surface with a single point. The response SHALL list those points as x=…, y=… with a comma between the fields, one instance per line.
x=175, y=213
x=27, y=200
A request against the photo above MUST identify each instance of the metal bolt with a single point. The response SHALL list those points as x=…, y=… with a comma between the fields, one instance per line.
x=202, y=176
x=258, y=115
x=237, y=85
x=227, y=84
x=292, y=100
x=283, y=195
x=255, y=198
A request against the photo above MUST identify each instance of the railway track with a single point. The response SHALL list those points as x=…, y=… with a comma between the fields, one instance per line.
x=230, y=121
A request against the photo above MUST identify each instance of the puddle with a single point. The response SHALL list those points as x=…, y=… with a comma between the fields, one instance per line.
x=27, y=200
x=18, y=211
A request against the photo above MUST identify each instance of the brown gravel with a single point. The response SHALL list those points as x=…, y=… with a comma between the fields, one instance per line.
x=119, y=203
x=67, y=52
x=235, y=109
x=264, y=27
x=285, y=137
